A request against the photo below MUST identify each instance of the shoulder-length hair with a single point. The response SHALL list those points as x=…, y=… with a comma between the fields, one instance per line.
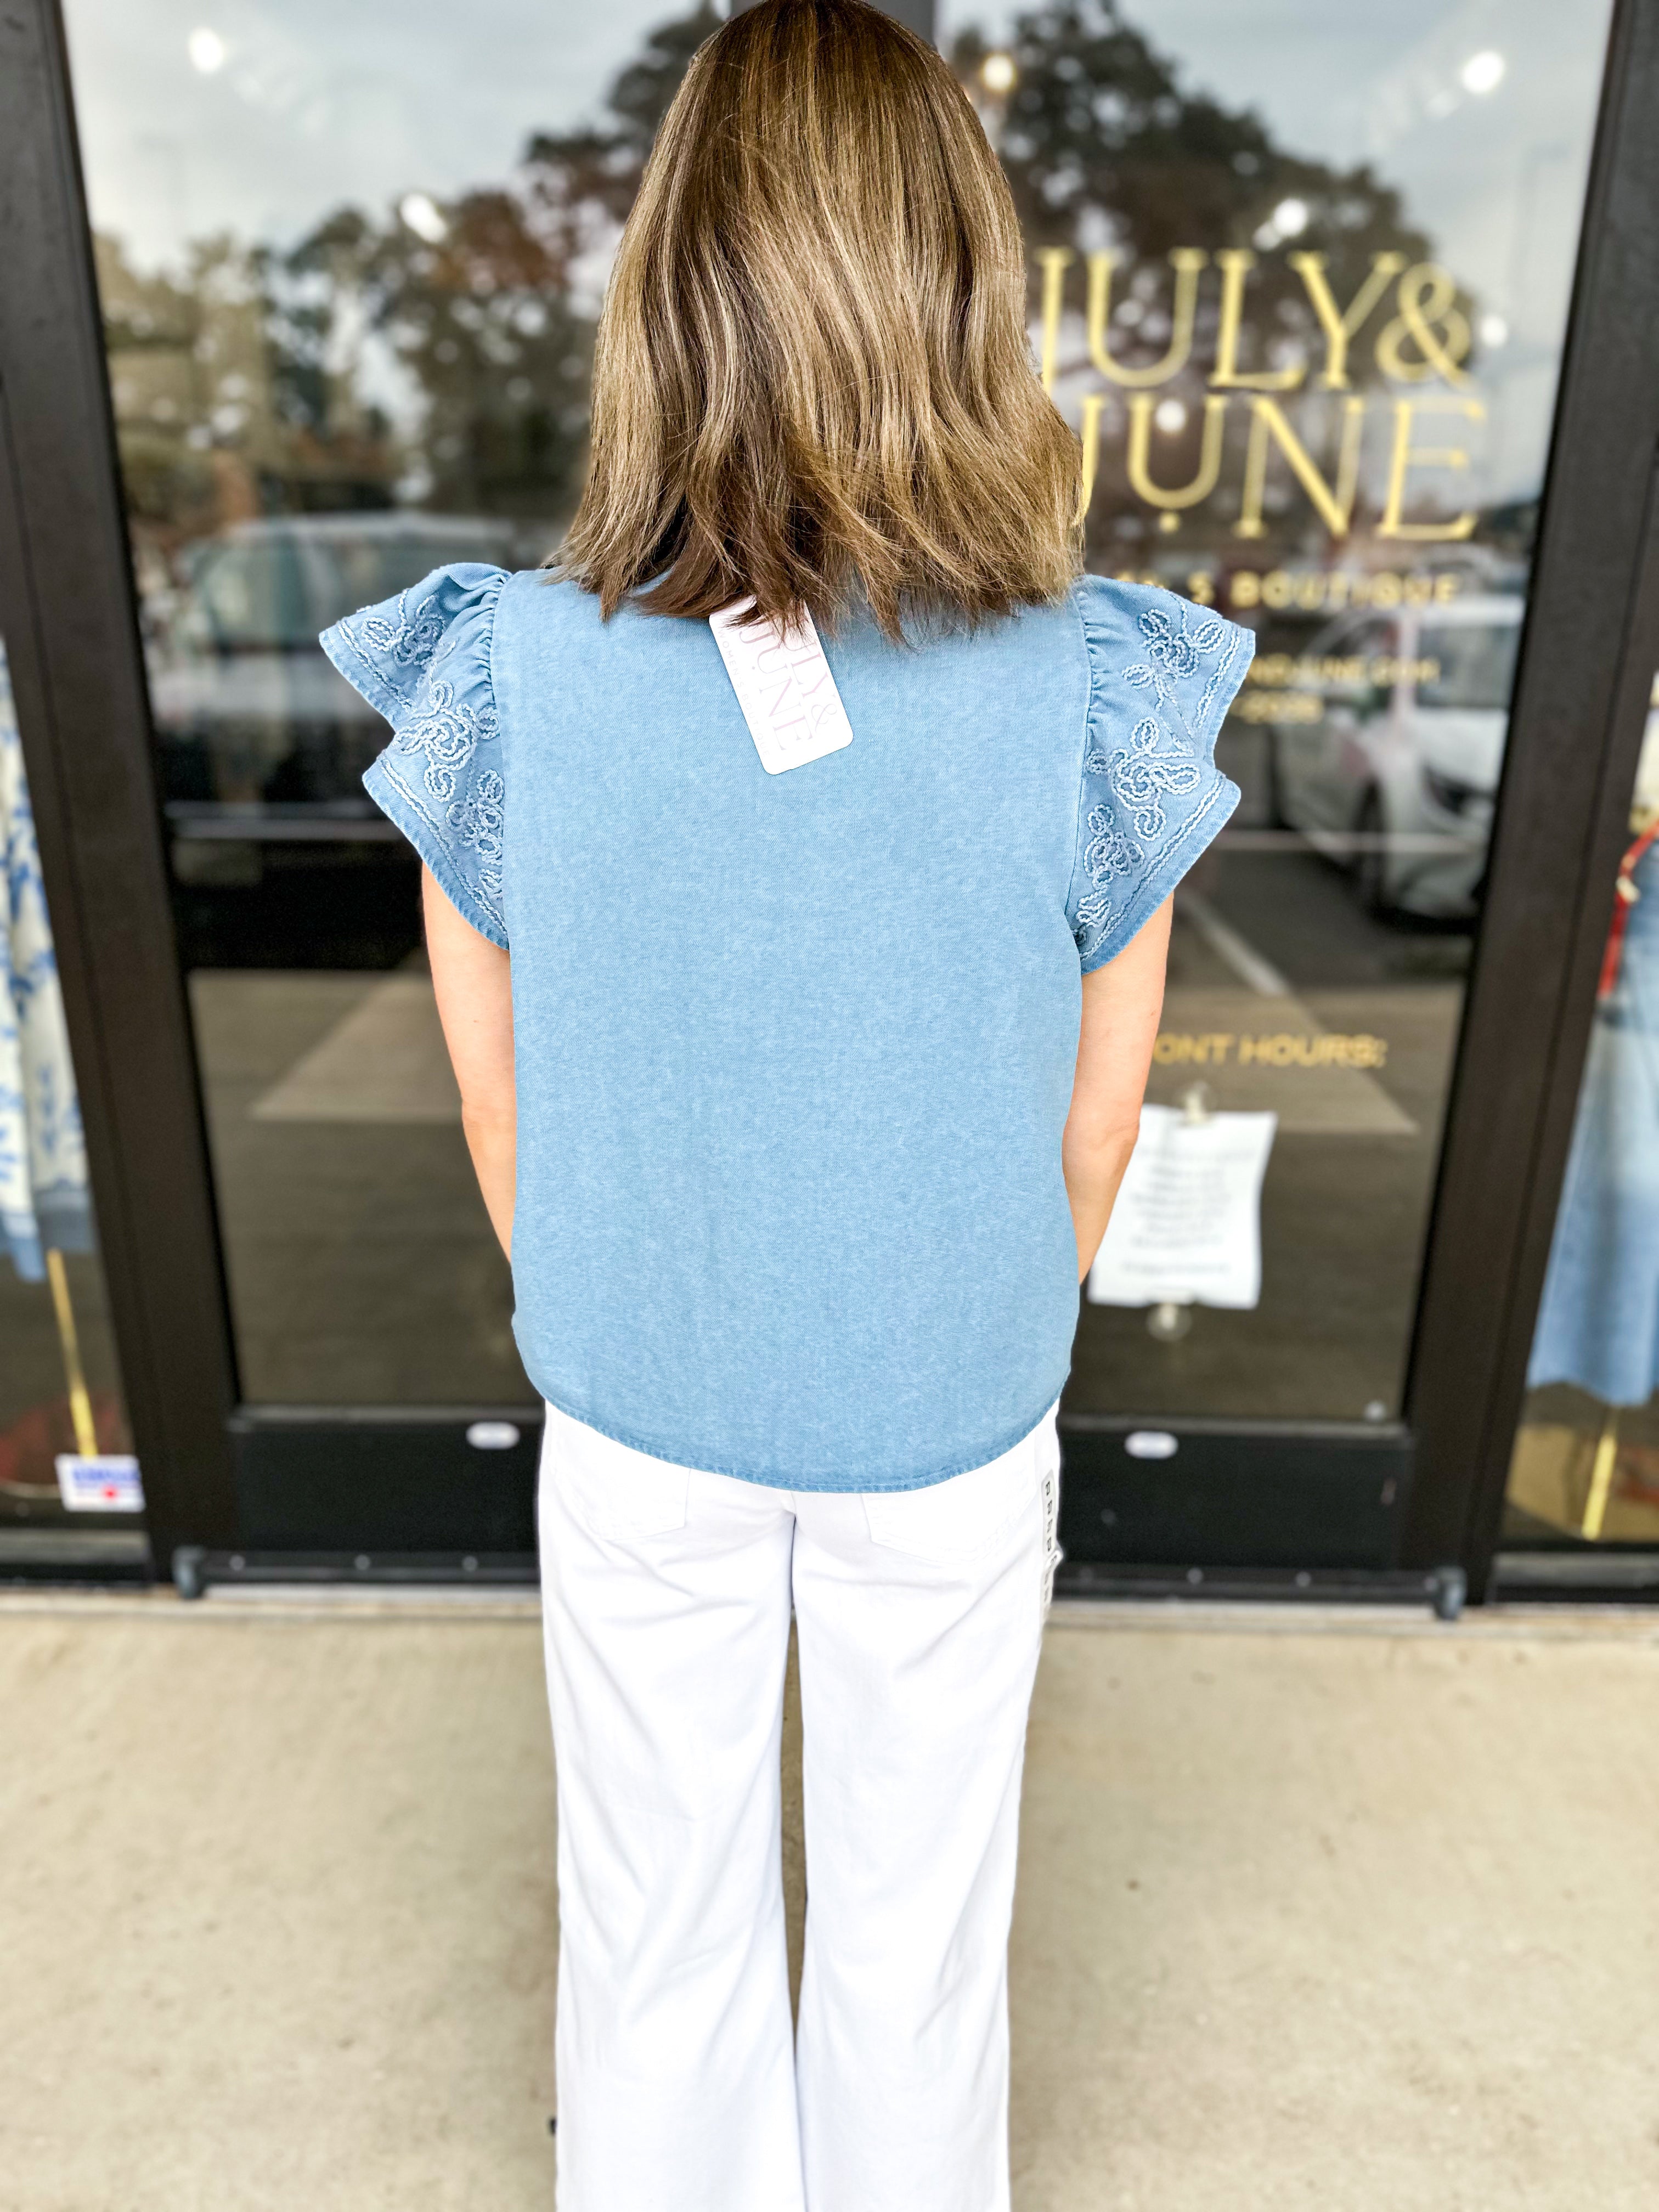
x=812, y=376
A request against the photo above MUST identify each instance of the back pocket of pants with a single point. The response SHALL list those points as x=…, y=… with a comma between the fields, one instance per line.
x=617, y=1490
x=954, y=1519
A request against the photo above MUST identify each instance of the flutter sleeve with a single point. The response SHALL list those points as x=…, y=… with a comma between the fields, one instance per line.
x=1161, y=675
x=423, y=661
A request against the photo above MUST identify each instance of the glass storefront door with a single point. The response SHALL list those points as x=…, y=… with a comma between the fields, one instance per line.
x=1306, y=285
x=1586, y=1464
x=350, y=264
x=1301, y=284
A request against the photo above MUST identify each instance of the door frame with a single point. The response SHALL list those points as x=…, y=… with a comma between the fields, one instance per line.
x=69, y=614
x=68, y=617
x=1589, y=651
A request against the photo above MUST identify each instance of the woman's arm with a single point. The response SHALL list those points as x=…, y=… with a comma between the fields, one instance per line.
x=471, y=979
x=1121, y=1004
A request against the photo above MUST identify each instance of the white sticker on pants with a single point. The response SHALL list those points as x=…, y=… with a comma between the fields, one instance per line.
x=784, y=687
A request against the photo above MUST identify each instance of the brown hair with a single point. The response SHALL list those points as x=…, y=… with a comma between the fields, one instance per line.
x=812, y=372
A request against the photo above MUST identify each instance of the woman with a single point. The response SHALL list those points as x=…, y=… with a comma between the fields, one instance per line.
x=798, y=863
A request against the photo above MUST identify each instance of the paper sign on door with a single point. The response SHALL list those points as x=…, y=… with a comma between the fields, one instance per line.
x=784, y=687
x=1186, y=1227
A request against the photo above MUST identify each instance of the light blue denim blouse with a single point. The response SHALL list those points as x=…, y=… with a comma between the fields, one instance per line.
x=795, y=1052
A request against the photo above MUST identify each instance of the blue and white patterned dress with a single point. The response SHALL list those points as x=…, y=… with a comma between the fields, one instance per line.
x=1598, y=1325
x=44, y=1199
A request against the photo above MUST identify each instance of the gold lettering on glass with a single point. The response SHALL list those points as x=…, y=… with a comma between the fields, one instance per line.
x=1406, y=456
x=1427, y=296
x=1092, y=404
x=1188, y=262
x=1053, y=261
x=1171, y=499
x=1339, y=324
x=1332, y=502
x=1236, y=263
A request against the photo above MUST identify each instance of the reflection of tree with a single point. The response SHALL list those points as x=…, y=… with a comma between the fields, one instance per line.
x=240, y=378
x=1103, y=148
x=1211, y=261
x=491, y=318
x=486, y=305
x=577, y=175
x=153, y=332
x=216, y=418
x=480, y=317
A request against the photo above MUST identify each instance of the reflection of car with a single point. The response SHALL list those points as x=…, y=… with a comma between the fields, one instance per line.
x=258, y=736
x=1400, y=767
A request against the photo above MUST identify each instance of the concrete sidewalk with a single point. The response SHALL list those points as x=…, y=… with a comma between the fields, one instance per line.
x=1357, y=1912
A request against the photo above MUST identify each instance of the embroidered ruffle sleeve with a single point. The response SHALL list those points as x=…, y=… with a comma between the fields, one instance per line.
x=1161, y=675
x=423, y=661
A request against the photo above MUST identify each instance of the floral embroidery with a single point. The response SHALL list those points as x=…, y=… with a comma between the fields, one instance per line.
x=1175, y=648
x=1108, y=851
x=426, y=659
x=448, y=733
x=1096, y=916
x=1128, y=829
x=1175, y=651
x=1218, y=676
x=411, y=638
x=477, y=821
x=1140, y=771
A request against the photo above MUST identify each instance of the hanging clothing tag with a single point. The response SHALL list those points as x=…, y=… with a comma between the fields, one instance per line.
x=784, y=687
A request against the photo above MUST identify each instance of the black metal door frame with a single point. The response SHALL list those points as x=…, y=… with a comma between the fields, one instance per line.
x=69, y=622
x=69, y=616
x=1587, y=656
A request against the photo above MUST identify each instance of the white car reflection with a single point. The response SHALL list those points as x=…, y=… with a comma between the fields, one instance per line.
x=1395, y=767
x=256, y=730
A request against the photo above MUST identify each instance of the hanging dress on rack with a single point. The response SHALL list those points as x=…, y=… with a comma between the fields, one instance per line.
x=1598, y=1325
x=44, y=1199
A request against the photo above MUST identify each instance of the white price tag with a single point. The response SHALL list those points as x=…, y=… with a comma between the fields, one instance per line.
x=784, y=687
x=1186, y=1227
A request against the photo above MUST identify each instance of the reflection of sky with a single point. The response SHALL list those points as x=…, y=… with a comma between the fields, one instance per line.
x=1496, y=181
x=320, y=102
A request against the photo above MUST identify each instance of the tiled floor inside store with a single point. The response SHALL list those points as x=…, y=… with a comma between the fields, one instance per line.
x=1355, y=1912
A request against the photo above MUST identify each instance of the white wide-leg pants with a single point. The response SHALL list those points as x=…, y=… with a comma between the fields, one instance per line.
x=666, y=1598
